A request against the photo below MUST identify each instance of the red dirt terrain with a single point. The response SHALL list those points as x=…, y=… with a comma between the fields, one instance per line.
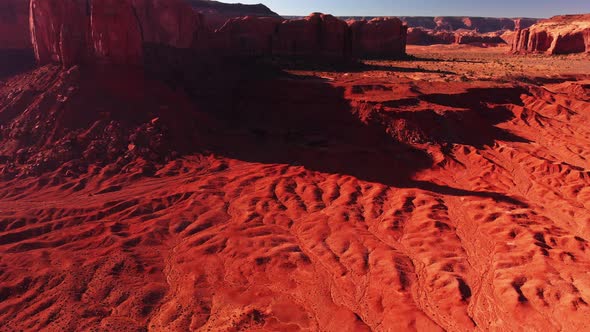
x=447, y=191
x=409, y=195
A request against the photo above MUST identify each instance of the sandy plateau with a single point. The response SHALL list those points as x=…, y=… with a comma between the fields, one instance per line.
x=447, y=192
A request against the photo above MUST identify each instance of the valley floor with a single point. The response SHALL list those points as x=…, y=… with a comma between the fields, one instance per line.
x=446, y=193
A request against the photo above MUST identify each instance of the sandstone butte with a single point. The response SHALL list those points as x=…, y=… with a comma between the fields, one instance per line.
x=115, y=32
x=557, y=35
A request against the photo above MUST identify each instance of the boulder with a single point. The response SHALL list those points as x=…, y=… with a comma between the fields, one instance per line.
x=379, y=37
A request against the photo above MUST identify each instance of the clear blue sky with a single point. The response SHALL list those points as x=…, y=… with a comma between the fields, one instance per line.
x=494, y=8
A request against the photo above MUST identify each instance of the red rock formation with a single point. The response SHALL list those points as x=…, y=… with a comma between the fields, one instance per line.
x=488, y=24
x=474, y=38
x=380, y=37
x=419, y=36
x=523, y=23
x=557, y=35
x=216, y=13
x=115, y=34
x=508, y=37
x=14, y=24
x=316, y=35
x=58, y=31
x=168, y=22
x=447, y=23
x=108, y=31
x=245, y=36
x=449, y=30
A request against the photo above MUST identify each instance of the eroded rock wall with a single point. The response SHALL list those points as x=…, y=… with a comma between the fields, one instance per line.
x=557, y=35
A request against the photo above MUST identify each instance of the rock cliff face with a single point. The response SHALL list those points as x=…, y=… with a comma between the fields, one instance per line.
x=470, y=38
x=58, y=30
x=523, y=23
x=462, y=30
x=244, y=36
x=378, y=37
x=479, y=24
x=107, y=31
x=557, y=35
x=116, y=32
x=316, y=35
x=14, y=18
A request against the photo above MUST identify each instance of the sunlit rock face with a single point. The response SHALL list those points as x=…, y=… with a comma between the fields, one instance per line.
x=557, y=35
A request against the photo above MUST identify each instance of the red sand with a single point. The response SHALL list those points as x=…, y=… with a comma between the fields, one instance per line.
x=422, y=195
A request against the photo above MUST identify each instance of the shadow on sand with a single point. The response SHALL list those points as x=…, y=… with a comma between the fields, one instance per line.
x=270, y=116
x=254, y=112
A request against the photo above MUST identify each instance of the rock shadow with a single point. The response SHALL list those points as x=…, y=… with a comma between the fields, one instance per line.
x=16, y=61
x=471, y=117
x=278, y=118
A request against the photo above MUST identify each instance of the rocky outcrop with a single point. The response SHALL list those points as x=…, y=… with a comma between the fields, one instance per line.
x=474, y=38
x=523, y=23
x=168, y=22
x=249, y=36
x=419, y=36
x=115, y=35
x=121, y=31
x=316, y=35
x=477, y=24
x=379, y=37
x=218, y=13
x=508, y=37
x=107, y=31
x=14, y=24
x=463, y=30
x=557, y=35
x=58, y=31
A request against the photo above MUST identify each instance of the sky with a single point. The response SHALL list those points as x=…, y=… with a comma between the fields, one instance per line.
x=491, y=8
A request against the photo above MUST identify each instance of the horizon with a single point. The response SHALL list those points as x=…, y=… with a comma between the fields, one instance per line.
x=384, y=8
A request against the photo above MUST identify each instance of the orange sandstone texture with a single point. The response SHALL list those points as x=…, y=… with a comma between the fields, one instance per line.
x=557, y=35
